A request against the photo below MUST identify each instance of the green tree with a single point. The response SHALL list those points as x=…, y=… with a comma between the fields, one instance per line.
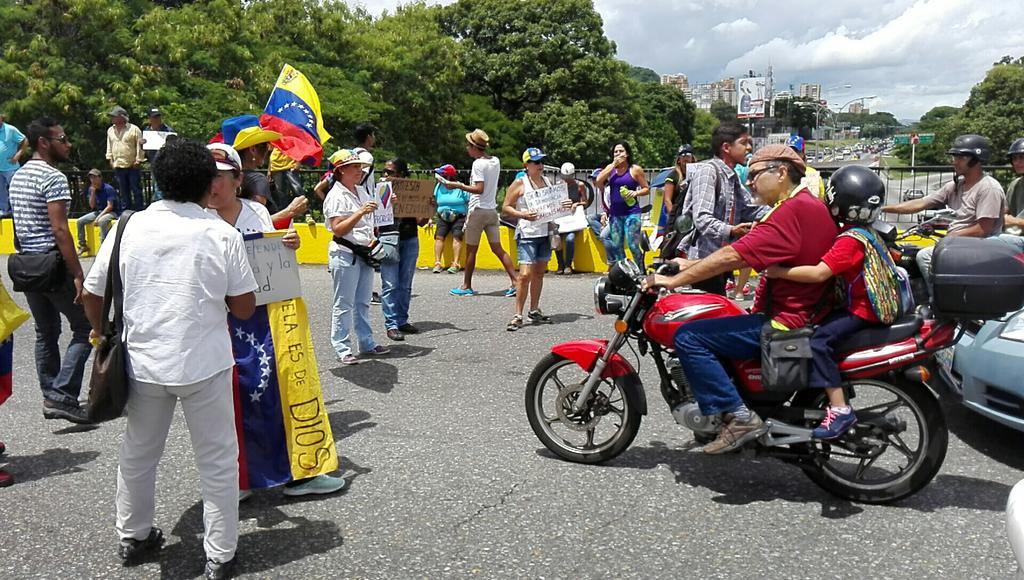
x=643, y=75
x=723, y=111
x=704, y=124
x=572, y=132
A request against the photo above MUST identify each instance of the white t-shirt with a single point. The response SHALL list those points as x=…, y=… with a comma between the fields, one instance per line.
x=486, y=170
x=178, y=263
x=341, y=202
x=253, y=219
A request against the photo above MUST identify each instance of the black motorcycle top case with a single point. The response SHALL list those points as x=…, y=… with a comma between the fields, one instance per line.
x=976, y=278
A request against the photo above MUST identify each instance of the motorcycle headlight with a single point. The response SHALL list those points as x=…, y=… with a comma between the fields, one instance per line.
x=1014, y=328
x=604, y=301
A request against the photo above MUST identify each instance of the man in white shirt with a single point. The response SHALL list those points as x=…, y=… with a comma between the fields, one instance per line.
x=483, y=214
x=183, y=270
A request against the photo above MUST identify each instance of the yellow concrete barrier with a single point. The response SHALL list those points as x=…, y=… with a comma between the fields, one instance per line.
x=590, y=254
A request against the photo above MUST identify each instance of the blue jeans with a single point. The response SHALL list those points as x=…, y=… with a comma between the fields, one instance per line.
x=129, y=185
x=625, y=231
x=60, y=381
x=567, y=251
x=396, y=284
x=103, y=224
x=836, y=327
x=5, y=195
x=1013, y=240
x=702, y=345
x=353, y=283
x=596, y=227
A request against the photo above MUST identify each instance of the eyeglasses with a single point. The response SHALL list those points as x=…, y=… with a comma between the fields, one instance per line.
x=63, y=139
x=538, y=162
x=755, y=174
x=389, y=172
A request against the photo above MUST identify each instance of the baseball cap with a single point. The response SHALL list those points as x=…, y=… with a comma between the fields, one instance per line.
x=567, y=169
x=226, y=157
x=95, y=172
x=447, y=171
x=533, y=154
x=796, y=142
x=684, y=150
x=154, y=112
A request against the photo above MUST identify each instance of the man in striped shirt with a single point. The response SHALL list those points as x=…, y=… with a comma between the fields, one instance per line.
x=39, y=202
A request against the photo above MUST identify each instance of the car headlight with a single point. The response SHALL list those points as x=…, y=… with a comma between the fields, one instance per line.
x=1014, y=328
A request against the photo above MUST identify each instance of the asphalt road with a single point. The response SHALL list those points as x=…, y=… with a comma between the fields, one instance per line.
x=447, y=480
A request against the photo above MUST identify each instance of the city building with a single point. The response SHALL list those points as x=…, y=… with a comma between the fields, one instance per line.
x=810, y=91
x=677, y=80
x=704, y=94
x=858, y=108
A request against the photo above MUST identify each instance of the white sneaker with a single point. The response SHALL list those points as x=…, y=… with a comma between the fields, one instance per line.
x=319, y=485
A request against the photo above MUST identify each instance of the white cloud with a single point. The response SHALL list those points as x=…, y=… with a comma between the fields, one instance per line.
x=738, y=26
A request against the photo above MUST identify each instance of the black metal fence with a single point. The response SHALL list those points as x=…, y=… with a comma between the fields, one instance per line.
x=901, y=183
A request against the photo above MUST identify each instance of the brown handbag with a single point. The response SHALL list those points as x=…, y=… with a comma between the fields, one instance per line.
x=108, y=387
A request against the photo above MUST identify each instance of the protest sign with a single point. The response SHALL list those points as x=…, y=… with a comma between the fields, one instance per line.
x=385, y=212
x=547, y=202
x=575, y=222
x=274, y=266
x=413, y=198
x=154, y=140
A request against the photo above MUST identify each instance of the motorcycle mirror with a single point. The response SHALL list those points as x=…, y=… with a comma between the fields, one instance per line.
x=683, y=224
x=885, y=230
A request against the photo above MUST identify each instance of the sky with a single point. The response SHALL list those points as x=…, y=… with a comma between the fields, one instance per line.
x=911, y=55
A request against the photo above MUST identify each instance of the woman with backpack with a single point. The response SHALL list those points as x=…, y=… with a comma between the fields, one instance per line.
x=865, y=271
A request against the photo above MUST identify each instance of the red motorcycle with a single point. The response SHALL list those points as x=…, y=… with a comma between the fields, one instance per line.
x=584, y=400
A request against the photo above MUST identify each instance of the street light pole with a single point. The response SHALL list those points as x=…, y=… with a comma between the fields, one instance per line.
x=852, y=101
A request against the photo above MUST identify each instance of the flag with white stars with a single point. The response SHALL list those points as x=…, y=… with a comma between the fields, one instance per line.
x=293, y=110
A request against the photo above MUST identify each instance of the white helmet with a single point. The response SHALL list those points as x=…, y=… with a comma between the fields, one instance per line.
x=568, y=169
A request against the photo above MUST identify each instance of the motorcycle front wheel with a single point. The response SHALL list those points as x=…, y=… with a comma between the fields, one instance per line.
x=896, y=448
x=603, y=428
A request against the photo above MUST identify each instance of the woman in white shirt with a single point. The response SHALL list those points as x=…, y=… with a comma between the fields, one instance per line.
x=251, y=217
x=348, y=214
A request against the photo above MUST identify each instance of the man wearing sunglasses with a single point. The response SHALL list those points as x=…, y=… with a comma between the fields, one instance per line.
x=39, y=201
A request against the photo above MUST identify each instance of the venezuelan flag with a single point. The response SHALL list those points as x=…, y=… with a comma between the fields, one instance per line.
x=11, y=317
x=283, y=429
x=293, y=110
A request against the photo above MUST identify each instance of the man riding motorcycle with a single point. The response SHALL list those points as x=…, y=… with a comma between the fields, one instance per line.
x=797, y=231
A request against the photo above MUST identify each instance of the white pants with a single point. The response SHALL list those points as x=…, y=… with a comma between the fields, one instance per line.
x=1015, y=524
x=210, y=414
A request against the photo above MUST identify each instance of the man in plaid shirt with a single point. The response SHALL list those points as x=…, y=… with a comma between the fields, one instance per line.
x=722, y=210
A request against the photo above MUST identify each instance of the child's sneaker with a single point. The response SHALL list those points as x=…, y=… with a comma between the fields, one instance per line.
x=747, y=290
x=835, y=423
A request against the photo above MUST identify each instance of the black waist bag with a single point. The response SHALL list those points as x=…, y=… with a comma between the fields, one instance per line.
x=43, y=272
x=785, y=357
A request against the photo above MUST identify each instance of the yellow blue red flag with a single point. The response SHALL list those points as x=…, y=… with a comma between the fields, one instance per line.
x=283, y=429
x=293, y=110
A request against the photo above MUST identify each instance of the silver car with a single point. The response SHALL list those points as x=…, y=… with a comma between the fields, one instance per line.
x=985, y=369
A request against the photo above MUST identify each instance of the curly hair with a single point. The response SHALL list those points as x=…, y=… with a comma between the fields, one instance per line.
x=184, y=170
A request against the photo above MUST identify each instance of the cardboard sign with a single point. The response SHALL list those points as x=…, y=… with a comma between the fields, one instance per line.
x=155, y=139
x=274, y=266
x=547, y=202
x=385, y=213
x=414, y=198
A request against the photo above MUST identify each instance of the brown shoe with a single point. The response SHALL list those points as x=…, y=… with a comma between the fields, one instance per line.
x=735, y=434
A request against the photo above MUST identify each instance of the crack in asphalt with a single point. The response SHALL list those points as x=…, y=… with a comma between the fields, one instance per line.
x=501, y=501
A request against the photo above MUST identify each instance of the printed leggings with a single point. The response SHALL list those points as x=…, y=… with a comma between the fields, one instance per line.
x=624, y=230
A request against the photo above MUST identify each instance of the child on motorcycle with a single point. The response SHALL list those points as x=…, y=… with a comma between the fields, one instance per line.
x=859, y=262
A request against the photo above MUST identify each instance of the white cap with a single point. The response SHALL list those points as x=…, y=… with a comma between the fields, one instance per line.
x=228, y=160
x=568, y=169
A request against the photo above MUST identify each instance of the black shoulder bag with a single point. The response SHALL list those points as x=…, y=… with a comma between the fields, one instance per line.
x=41, y=272
x=786, y=354
x=108, y=386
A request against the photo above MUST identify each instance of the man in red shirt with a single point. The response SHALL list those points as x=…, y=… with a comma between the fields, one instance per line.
x=796, y=232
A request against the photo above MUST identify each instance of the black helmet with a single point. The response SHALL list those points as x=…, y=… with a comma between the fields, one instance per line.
x=973, y=145
x=1017, y=148
x=855, y=194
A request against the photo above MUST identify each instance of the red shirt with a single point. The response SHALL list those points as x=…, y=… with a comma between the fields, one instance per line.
x=797, y=232
x=846, y=260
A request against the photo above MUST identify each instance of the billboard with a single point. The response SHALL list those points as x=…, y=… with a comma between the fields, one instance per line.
x=751, y=97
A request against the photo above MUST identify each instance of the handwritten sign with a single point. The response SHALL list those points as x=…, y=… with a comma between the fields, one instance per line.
x=155, y=139
x=547, y=202
x=274, y=266
x=385, y=213
x=414, y=198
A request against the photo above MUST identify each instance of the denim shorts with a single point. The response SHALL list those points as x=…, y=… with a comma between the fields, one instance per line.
x=534, y=250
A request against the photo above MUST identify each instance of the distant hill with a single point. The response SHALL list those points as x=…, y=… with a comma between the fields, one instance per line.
x=643, y=75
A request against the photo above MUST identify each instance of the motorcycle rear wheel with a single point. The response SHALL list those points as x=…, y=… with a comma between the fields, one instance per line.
x=574, y=436
x=880, y=406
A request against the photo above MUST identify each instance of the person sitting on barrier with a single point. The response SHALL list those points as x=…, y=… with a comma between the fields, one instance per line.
x=105, y=206
x=798, y=231
x=976, y=197
x=859, y=261
x=565, y=253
